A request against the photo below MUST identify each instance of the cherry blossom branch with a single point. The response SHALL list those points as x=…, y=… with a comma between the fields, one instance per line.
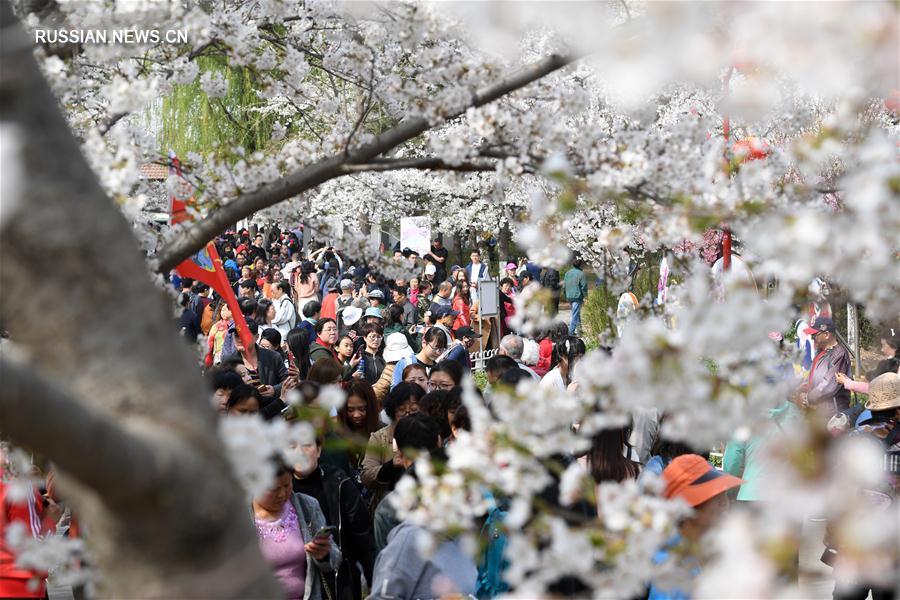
x=306, y=178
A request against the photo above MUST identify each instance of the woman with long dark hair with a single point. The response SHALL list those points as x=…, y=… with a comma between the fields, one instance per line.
x=462, y=303
x=608, y=460
x=359, y=420
x=264, y=313
x=890, y=349
x=298, y=352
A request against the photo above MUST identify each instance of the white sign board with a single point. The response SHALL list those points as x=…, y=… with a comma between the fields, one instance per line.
x=488, y=298
x=415, y=234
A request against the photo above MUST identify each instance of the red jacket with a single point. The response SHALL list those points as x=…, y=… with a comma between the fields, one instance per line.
x=545, y=357
x=13, y=580
x=329, y=308
x=461, y=306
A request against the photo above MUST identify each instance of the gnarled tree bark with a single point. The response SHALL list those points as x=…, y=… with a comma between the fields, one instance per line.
x=127, y=419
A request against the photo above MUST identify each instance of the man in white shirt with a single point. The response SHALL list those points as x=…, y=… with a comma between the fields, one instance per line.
x=476, y=269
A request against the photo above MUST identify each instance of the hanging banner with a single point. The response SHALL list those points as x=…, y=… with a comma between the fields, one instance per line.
x=415, y=234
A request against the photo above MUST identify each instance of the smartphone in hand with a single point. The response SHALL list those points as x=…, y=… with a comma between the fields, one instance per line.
x=326, y=531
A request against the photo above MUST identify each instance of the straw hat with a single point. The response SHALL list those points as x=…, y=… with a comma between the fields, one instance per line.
x=884, y=392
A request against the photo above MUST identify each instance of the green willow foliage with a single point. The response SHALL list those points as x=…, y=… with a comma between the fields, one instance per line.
x=193, y=122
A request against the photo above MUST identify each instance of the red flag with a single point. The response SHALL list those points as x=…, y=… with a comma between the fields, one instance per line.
x=205, y=266
x=726, y=250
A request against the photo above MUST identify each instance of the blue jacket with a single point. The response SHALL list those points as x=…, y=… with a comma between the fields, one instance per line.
x=402, y=571
x=309, y=328
x=575, y=285
x=459, y=353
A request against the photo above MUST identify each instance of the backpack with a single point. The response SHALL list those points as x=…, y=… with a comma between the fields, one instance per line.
x=292, y=323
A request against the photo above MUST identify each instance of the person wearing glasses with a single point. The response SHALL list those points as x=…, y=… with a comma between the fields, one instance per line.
x=326, y=337
x=380, y=469
x=822, y=389
x=445, y=375
x=434, y=343
x=372, y=360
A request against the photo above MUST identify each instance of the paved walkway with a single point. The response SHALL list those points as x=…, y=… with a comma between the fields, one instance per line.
x=815, y=576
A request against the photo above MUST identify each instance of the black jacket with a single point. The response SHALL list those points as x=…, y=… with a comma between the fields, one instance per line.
x=374, y=366
x=888, y=365
x=344, y=509
x=271, y=371
x=550, y=279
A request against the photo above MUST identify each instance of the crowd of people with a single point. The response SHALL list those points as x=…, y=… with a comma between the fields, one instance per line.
x=399, y=349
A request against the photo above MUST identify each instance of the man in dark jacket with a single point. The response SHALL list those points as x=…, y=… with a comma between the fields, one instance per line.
x=267, y=370
x=438, y=257
x=343, y=508
x=414, y=434
x=550, y=281
x=822, y=388
x=410, y=316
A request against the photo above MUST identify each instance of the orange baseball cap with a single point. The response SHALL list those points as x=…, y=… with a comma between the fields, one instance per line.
x=693, y=479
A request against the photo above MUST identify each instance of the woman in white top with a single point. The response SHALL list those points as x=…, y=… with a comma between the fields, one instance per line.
x=566, y=353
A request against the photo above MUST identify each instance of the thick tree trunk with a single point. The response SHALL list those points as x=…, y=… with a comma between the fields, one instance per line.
x=458, y=248
x=129, y=422
x=504, y=239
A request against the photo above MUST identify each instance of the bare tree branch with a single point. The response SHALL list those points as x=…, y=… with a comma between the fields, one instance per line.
x=306, y=178
x=429, y=163
x=109, y=124
x=35, y=411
